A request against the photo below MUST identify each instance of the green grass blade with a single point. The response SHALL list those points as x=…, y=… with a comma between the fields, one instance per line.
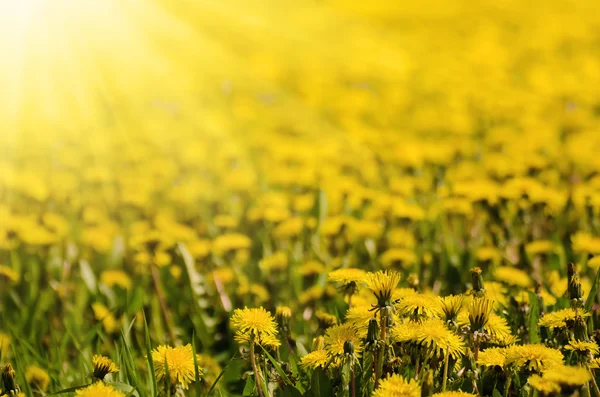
x=149, y=357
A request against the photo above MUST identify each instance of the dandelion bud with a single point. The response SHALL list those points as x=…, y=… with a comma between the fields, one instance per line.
x=478, y=287
x=8, y=379
x=373, y=332
x=349, y=347
x=318, y=343
x=103, y=366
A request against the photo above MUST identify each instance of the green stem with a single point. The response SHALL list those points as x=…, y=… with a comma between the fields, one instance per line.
x=445, y=378
x=381, y=355
x=255, y=369
x=596, y=390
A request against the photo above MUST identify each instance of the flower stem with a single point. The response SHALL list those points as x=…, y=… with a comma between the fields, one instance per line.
x=380, y=356
x=255, y=369
x=445, y=376
x=596, y=390
x=352, y=383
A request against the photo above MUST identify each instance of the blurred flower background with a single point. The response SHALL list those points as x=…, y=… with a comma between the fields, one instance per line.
x=166, y=165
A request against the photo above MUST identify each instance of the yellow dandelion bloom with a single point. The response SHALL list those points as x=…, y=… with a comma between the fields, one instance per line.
x=512, y=276
x=491, y=357
x=418, y=305
x=382, y=284
x=396, y=386
x=560, y=318
x=535, y=357
x=103, y=366
x=540, y=247
x=314, y=359
x=479, y=313
x=583, y=347
x=255, y=322
x=311, y=268
x=180, y=362
x=435, y=335
x=37, y=377
x=116, y=277
x=347, y=276
x=336, y=336
x=543, y=385
x=102, y=313
x=566, y=375
x=99, y=389
x=449, y=307
x=359, y=317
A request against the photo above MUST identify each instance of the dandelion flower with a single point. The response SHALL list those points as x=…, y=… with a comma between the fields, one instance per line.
x=417, y=306
x=314, y=359
x=382, y=284
x=566, y=375
x=180, y=363
x=349, y=279
x=543, y=385
x=479, y=313
x=449, y=306
x=99, y=389
x=116, y=277
x=561, y=318
x=512, y=276
x=583, y=347
x=492, y=357
x=338, y=335
x=37, y=376
x=396, y=386
x=103, y=366
x=254, y=322
x=435, y=335
x=347, y=276
x=534, y=356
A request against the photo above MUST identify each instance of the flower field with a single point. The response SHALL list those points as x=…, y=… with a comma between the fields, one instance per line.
x=313, y=198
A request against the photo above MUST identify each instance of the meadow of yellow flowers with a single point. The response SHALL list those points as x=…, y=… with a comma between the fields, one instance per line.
x=311, y=198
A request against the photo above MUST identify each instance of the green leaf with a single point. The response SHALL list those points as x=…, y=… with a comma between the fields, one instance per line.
x=290, y=392
x=149, y=358
x=124, y=387
x=496, y=393
x=320, y=384
x=280, y=370
x=196, y=372
x=250, y=387
x=593, y=292
x=534, y=318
